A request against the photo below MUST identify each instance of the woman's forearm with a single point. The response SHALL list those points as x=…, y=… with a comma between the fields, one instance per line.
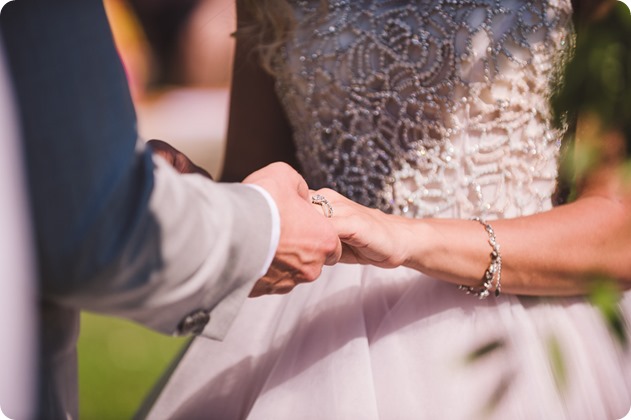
x=556, y=252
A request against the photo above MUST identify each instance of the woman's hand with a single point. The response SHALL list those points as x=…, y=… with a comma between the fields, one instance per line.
x=368, y=236
x=175, y=158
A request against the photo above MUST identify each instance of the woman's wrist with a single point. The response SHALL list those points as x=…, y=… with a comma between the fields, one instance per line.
x=421, y=244
x=455, y=251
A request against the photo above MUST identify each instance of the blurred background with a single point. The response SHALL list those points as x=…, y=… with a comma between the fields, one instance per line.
x=178, y=56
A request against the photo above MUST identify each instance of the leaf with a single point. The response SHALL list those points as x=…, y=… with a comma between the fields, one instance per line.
x=605, y=296
x=485, y=350
x=557, y=363
x=498, y=394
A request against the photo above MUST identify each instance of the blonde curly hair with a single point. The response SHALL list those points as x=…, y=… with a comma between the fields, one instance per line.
x=267, y=26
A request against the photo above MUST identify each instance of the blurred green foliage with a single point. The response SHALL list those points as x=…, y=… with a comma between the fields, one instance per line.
x=485, y=349
x=596, y=84
x=119, y=363
x=557, y=362
x=597, y=79
x=605, y=296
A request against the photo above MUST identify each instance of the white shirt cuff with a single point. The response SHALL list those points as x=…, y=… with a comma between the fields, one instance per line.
x=275, y=236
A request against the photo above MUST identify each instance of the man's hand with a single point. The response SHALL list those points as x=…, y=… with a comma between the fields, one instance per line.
x=177, y=159
x=307, y=238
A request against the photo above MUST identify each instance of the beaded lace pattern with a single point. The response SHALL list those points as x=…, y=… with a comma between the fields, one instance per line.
x=430, y=107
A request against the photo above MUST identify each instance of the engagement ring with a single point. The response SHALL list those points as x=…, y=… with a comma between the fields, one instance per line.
x=320, y=200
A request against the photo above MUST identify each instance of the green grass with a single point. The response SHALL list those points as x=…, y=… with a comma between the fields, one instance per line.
x=119, y=362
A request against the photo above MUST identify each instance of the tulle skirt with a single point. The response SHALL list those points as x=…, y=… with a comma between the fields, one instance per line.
x=370, y=343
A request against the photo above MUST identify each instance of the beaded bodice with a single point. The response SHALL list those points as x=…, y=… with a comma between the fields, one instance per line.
x=428, y=107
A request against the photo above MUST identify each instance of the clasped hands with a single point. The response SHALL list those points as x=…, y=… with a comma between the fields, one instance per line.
x=309, y=239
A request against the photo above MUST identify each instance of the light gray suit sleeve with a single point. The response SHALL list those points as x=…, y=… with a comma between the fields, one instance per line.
x=190, y=261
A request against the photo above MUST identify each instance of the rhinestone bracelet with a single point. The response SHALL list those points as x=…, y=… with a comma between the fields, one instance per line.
x=493, y=272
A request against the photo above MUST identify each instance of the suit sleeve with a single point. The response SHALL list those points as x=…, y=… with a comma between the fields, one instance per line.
x=117, y=230
x=192, y=256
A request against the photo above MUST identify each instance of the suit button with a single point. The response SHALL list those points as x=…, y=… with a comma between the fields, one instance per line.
x=194, y=323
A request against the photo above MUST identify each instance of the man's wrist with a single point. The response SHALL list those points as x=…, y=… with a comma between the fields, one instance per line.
x=275, y=227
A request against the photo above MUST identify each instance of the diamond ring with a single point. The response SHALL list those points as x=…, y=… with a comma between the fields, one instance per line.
x=320, y=200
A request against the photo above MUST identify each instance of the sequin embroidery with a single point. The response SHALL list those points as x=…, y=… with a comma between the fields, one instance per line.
x=427, y=108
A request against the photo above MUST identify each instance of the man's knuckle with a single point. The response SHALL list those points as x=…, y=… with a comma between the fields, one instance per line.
x=312, y=273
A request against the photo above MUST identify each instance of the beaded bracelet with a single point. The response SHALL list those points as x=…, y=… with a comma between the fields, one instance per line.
x=494, y=271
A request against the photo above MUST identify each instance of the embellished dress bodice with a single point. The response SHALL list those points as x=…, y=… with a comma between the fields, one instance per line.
x=427, y=108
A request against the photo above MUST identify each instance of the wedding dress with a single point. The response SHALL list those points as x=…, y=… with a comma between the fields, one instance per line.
x=429, y=108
